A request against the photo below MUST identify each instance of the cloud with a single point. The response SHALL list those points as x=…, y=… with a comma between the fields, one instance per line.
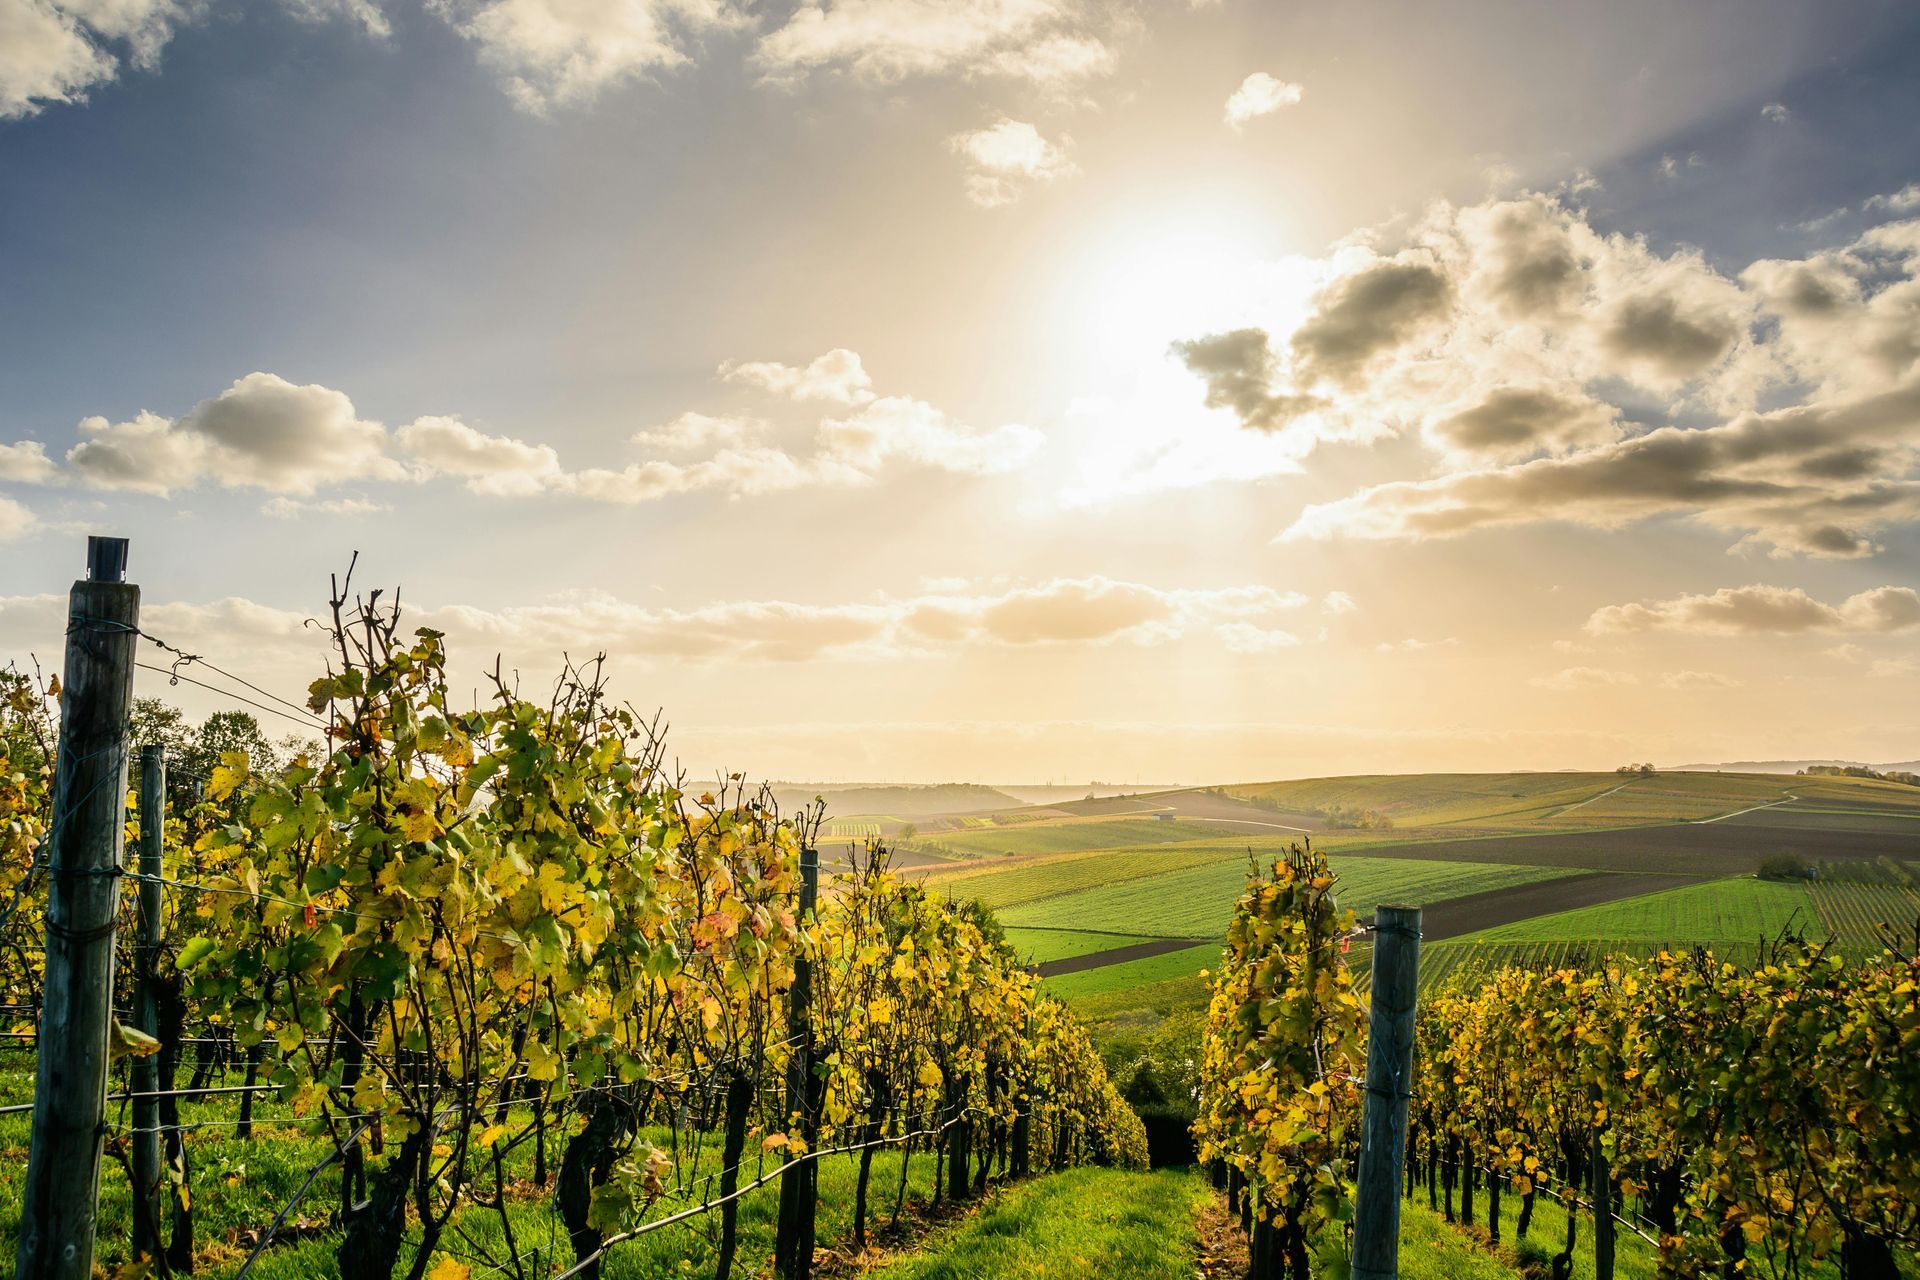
x=1519, y=422
x=27, y=463
x=913, y=430
x=1367, y=312
x=1764, y=610
x=1239, y=369
x=1261, y=95
x=261, y=432
x=1905, y=200
x=692, y=430
x=55, y=51
x=1568, y=375
x=1892, y=668
x=15, y=520
x=1810, y=480
x=285, y=508
x=558, y=53
x=1245, y=637
x=368, y=15
x=1046, y=42
x=1060, y=612
x=1573, y=678
x=736, y=472
x=838, y=377
x=1694, y=681
x=266, y=433
x=1338, y=602
x=1006, y=158
x=489, y=464
x=1776, y=113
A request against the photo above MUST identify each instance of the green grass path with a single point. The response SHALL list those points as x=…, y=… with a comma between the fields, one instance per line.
x=1082, y=1223
x=1105, y=1224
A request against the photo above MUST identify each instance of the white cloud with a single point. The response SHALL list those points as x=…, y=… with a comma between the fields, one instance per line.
x=1338, y=602
x=489, y=464
x=285, y=508
x=1573, y=678
x=1245, y=637
x=27, y=463
x=267, y=433
x=1047, y=42
x=368, y=15
x=262, y=432
x=837, y=377
x=15, y=520
x=54, y=51
x=1776, y=113
x=1261, y=95
x=1694, y=681
x=1893, y=668
x=1005, y=158
x=1905, y=200
x=736, y=472
x=1061, y=612
x=1565, y=375
x=914, y=431
x=692, y=430
x=1764, y=610
x=557, y=53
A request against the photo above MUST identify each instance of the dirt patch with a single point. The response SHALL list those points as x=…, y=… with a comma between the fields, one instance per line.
x=1476, y=911
x=1117, y=955
x=1220, y=1247
x=1693, y=849
x=887, y=1241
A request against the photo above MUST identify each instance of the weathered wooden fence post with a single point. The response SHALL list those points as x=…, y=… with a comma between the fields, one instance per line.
x=1383, y=1136
x=793, y=1241
x=1602, y=1212
x=146, y=1008
x=57, y=1208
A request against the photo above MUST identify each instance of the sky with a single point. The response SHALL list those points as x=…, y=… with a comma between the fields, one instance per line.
x=996, y=390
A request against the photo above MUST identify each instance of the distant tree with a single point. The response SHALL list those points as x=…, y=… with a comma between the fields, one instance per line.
x=909, y=831
x=1785, y=866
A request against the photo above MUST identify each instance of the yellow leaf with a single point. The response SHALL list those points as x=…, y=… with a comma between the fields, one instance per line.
x=128, y=1042
x=227, y=775
x=449, y=1269
x=491, y=1134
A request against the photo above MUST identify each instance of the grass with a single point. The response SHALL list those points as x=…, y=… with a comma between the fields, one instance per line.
x=1198, y=901
x=1134, y=973
x=1001, y=887
x=238, y=1186
x=1719, y=911
x=1037, y=946
x=1084, y=1222
x=1077, y=834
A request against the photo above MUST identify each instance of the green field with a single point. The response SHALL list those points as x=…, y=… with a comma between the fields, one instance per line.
x=1197, y=902
x=1740, y=910
x=1134, y=973
x=1037, y=946
x=1001, y=887
x=1071, y=836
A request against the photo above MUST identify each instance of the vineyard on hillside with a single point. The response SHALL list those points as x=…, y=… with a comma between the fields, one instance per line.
x=489, y=992
x=1758, y=1116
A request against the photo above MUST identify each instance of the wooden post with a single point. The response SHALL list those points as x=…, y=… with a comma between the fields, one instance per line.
x=1383, y=1139
x=793, y=1241
x=1602, y=1213
x=57, y=1211
x=146, y=1008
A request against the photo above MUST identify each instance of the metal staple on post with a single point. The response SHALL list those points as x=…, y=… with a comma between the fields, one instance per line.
x=1383, y=1139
